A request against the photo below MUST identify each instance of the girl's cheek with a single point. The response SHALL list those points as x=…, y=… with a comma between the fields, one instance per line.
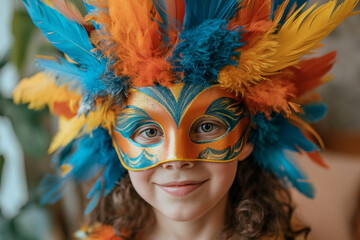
x=141, y=178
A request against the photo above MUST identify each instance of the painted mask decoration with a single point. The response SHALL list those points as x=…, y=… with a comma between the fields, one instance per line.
x=182, y=122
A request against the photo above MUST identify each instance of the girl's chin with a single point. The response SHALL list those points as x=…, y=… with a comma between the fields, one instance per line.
x=181, y=215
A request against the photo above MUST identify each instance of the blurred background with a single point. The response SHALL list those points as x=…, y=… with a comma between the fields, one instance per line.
x=25, y=136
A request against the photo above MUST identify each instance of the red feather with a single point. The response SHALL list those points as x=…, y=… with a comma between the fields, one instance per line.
x=180, y=10
x=255, y=17
x=316, y=158
x=104, y=233
x=63, y=109
x=309, y=73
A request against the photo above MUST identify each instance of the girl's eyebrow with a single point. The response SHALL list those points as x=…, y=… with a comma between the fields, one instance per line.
x=129, y=119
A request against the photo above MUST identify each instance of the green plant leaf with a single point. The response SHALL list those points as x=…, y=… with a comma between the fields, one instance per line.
x=4, y=61
x=27, y=126
x=23, y=29
x=2, y=161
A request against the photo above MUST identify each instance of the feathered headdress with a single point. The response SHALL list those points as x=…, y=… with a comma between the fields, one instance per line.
x=261, y=50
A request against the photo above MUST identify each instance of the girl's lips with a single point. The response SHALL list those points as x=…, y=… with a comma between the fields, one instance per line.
x=179, y=189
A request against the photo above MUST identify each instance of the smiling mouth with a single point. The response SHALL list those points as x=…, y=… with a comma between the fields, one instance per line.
x=180, y=189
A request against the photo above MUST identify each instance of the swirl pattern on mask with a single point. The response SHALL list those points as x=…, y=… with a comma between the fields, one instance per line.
x=144, y=159
x=176, y=107
x=227, y=153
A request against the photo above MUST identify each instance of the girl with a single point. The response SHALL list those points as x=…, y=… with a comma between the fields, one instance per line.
x=187, y=110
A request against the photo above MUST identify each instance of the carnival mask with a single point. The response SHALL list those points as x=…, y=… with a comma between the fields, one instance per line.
x=179, y=123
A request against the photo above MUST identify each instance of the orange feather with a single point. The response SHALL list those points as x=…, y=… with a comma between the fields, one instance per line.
x=270, y=95
x=104, y=233
x=63, y=109
x=308, y=74
x=316, y=158
x=132, y=40
x=276, y=93
x=255, y=17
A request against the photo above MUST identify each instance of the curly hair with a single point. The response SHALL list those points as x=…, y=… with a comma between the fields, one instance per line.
x=258, y=206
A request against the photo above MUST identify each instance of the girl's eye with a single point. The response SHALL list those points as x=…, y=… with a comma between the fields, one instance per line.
x=152, y=132
x=148, y=134
x=206, y=129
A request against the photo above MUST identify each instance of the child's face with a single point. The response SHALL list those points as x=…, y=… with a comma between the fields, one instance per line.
x=181, y=146
x=180, y=123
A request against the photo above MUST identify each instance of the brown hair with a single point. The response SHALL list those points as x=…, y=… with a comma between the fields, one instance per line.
x=259, y=206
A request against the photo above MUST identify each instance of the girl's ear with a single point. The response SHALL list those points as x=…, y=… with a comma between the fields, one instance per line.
x=246, y=151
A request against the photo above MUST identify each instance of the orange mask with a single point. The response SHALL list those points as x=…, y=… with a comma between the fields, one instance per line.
x=180, y=123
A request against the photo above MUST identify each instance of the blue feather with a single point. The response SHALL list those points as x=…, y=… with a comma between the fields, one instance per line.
x=277, y=3
x=313, y=112
x=91, y=79
x=199, y=11
x=93, y=10
x=90, y=155
x=273, y=139
x=64, y=72
x=51, y=188
x=204, y=50
x=160, y=7
x=66, y=35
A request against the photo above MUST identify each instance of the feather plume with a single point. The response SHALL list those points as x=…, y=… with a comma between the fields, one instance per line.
x=254, y=16
x=91, y=10
x=84, y=158
x=313, y=112
x=93, y=80
x=251, y=64
x=309, y=74
x=69, y=10
x=66, y=35
x=70, y=129
x=131, y=39
x=197, y=12
x=278, y=93
x=273, y=139
x=202, y=51
x=40, y=91
x=64, y=109
x=271, y=95
x=255, y=58
x=316, y=158
x=162, y=11
x=101, y=232
x=306, y=130
x=302, y=31
x=289, y=7
x=63, y=72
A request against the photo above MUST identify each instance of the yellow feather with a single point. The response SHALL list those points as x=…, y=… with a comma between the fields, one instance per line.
x=302, y=32
x=254, y=60
x=296, y=121
x=65, y=169
x=250, y=67
x=40, y=90
x=75, y=127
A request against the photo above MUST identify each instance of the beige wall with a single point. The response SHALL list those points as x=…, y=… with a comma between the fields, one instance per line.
x=330, y=214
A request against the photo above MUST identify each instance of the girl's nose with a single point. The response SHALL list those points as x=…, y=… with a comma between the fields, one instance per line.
x=178, y=146
x=178, y=164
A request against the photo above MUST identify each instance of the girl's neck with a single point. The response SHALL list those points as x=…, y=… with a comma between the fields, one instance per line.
x=206, y=227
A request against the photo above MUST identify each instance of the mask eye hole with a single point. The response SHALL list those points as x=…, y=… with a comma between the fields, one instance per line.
x=148, y=134
x=207, y=129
